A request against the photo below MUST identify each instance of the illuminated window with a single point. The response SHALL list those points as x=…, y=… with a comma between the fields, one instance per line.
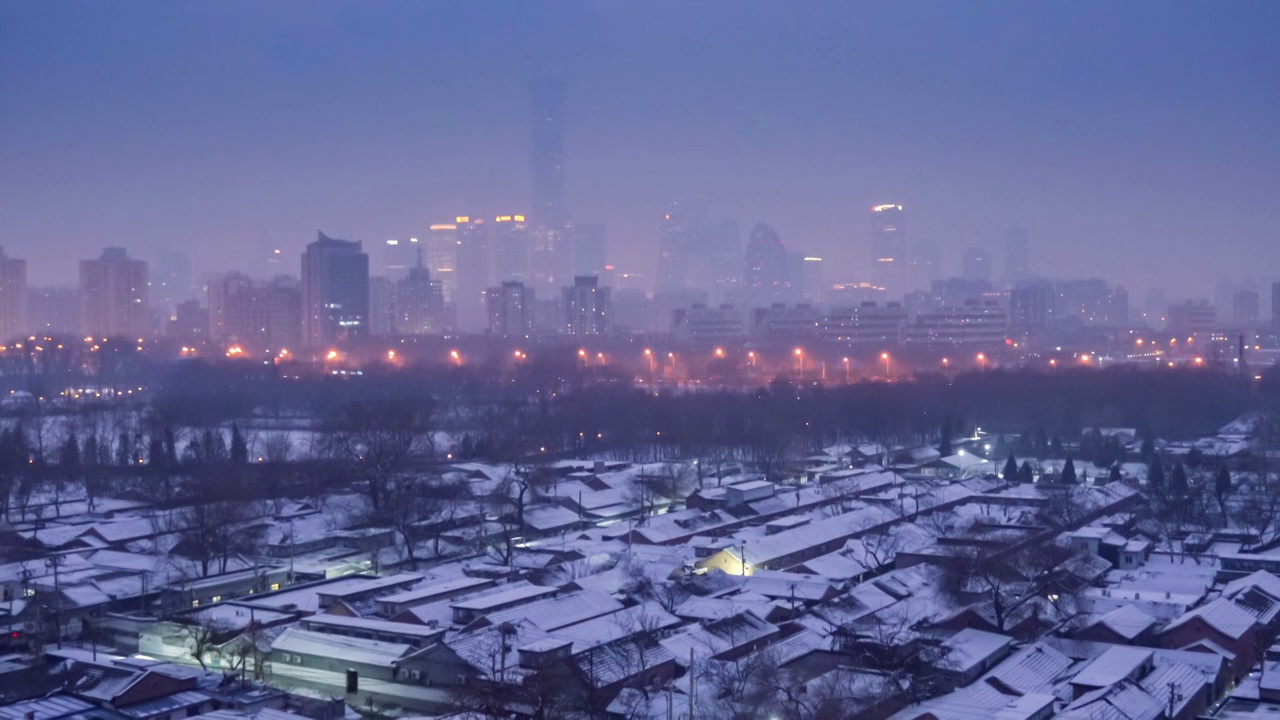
x=275, y=586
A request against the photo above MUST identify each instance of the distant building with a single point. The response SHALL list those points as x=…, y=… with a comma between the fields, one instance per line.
x=956, y=291
x=703, y=324
x=889, y=247
x=811, y=278
x=786, y=323
x=765, y=270
x=259, y=315
x=474, y=273
x=926, y=263
x=1031, y=306
x=974, y=323
x=511, y=308
x=1091, y=302
x=53, y=310
x=864, y=323
x=1244, y=308
x=399, y=255
x=417, y=305
x=975, y=264
x=441, y=257
x=1017, y=255
x=586, y=307
x=171, y=282
x=590, y=249
x=551, y=253
x=1193, y=316
x=511, y=248
x=190, y=321
x=13, y=297
x=335, y=292
x=1275, y=304
x=113, y=295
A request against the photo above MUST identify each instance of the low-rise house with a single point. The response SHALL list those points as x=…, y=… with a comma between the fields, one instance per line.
x=1217, y=626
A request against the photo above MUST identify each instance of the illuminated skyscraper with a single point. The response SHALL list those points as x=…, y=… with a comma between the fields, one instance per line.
x=889, y=248
x=511, y=310
x=335, y=292
x=113, y=295
x=511, y=248
x=13, y=297
x=399, y=256
x=586, y=306
x=442, y=257
x=474, y=273
x=551, y=255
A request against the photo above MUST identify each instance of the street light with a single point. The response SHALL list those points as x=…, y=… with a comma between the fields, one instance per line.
x=885, y=357
x=457, y=359
x=800, y=356
x=846, y=369
x=982, y=360
x=719, y=352
x=648, y=353
x=672, y=357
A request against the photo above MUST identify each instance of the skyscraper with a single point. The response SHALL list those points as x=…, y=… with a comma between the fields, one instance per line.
x=1244, y=307
x=1017, y=255
x=399, y=255
x=511, y=309
x=551, y=256
x=586, y=307
x=442, y=257
x=474, y=271
x=590, y=249
x=766, y=261
x=113, y=295
x=975, y=264
x=679, y=236
x=13, y=297
x=258, y=315
x=889, y=247
x=335, y=292
x=511, y=248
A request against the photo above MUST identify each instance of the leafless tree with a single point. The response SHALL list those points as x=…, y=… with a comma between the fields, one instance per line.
x=377, y=439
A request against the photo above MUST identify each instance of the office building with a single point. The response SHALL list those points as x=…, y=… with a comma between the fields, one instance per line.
x=975, y=264
x=586, y=307
x=1017, y=255
x=551, y=252
x=1091, y=302
x=257, y=315
x=113, y=296
x=811, y=278
x=702, y=324
x=189, y=321
x=511, y=248
x=399, y=255
x=977, y=322
x=590, y=249
x=889, y=247
x=765, y=266
x=1244, y=307
x=511, y=308
x=865, y=323
x=335, y=292
x=1031, y=306
x=441, y=257
x=474, y=273
x=925, y=262
x=412, y=305
x=1193, y=316
x=13, y=297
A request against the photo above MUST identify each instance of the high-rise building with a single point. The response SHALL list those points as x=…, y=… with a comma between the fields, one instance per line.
x=53, y=310
x=511, y=308
x=1196, y=315
x=474, y=273
x=678, y=238
x=1031, y=306
x=590, y=249
x=335, y=292
x=551, y=254
x=511, y=248
x=1017, y=255
x=13, y=297
x=1244, y=306
x=586, y=307
x=811, y=278
x=926, y=263
x=975, y=264
x=113, y=295
x=765, y=269
x=442, y=258
x=889, y=247
x=258, y=315
x=412, y=305
x=399, y=255
x=189, y=321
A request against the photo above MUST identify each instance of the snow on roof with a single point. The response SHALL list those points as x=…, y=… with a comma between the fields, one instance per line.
x=1127, y=621
x=1116, y=664
x=1034, y=668
x=970, y=646
x=1188, y=679
x=327, y=622
x=647, y=617
x=551, y=614
x=45, y=708
x=761, y=551
x=1261, y=579
x=433, y=588
x=1222, y=615
x=340, y=647
x=508, y=595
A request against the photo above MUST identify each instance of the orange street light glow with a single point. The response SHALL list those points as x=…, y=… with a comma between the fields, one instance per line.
x=332, y=355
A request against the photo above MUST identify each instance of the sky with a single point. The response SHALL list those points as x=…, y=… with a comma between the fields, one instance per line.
x=1136, y=141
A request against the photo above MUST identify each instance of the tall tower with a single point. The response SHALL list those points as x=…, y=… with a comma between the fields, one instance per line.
x=889, y=247
x=335, y=292
x=113, y=295
x=766, y=263
x=474, y=271
x=551, y=261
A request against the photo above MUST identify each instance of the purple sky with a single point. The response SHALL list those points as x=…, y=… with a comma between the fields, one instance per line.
x=1137, y=140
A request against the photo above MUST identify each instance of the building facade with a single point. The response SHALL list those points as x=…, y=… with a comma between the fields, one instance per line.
x=113, y=295
x=335, y=292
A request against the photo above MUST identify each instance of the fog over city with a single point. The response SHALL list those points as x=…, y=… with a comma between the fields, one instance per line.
x=540, y=360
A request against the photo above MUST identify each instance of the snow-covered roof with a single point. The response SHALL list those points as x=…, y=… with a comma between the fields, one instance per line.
x=341, y=647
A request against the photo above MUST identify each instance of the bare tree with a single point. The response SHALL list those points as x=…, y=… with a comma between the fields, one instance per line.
x=378, y=438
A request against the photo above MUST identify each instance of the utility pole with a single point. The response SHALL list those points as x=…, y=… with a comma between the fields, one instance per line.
x=54, y=561
x=1174, y=698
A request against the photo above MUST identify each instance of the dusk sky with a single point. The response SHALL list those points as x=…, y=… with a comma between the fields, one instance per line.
x=1137, y=141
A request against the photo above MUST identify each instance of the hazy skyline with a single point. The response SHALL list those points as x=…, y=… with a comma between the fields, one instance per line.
x=1135, y=141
